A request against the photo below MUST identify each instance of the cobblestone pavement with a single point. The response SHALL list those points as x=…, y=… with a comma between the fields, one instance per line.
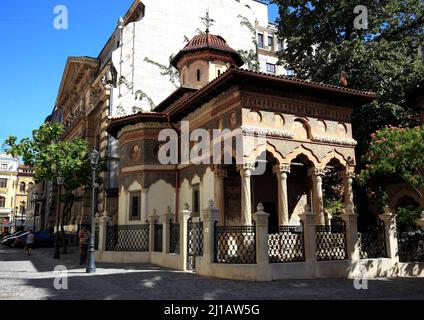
x=29, y=278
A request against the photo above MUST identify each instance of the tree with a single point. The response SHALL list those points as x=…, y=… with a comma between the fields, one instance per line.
x=396, y=152
x=386, y=57
x=50, y=157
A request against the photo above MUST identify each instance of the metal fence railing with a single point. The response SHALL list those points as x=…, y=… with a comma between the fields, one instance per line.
x=372, y=241
x=411, y=246
x=235, y=244
x=286, y=244
x=331, y=242
x=127, y=238
x=158, y=237
x=174, y=238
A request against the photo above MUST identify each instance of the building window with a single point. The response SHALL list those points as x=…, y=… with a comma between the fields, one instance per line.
x=22, y=187
x=219, y=73
x=135, y=209
x=270, y=68
x=281, y=45
x=4, y=166
x=270, y=42
x=198, y=74
x=196, y=200
x=3, y=183
x=2, y=202
x=260, y=40
x=290, y=73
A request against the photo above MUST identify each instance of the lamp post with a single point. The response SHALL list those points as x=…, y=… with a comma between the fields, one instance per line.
x=56, y=241
x=22, y=214
x=94, y=160
x=35, y=196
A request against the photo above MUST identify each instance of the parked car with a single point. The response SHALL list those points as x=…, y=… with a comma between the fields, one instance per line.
x=41, y=239
x=10, y=241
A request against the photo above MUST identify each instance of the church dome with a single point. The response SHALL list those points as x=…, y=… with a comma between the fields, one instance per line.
x=208, y=42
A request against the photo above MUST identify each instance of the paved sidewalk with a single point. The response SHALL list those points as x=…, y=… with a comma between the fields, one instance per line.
x=24, y=277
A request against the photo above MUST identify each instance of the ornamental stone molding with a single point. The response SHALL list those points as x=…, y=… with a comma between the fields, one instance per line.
x=335, y=140
x=143, y=125
x=281, y=168
x=267, y=132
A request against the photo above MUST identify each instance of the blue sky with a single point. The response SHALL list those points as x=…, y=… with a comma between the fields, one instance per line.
x=34, y=53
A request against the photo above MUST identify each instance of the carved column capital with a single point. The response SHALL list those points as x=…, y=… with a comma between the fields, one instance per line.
x=281, y=168
x=350, y=174
x=220, y=172
x=246, y=168
x=316, y=172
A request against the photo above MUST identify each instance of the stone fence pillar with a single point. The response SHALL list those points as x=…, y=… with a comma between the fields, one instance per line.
x=209, y=217
x=185, y=216
x=389, y=220
x=309, y=235
x=351, y=221
x=153, y=218
x=102, y=222
x=261, y=220
x=166, y=219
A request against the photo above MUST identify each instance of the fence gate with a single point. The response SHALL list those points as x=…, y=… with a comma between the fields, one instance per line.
x=194, y=242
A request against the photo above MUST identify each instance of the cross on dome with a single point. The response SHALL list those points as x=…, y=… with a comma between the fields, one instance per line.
x=207, y=21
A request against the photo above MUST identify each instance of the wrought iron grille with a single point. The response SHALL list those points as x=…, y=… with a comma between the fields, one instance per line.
x=158, y=237
x=235, y=244
x=96, y=237
x=411, y=246
x=174, y=238
x=194, y=242
x=286, y=244
x=372, y=241
x=127, y=238
x=331, y=242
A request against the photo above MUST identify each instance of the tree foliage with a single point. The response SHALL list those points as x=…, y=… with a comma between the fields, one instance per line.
x=322, y=41
x=396, y=152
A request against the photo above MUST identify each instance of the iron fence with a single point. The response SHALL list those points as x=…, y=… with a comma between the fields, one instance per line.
x=174, y=238
x=194, y=242
x=96, y=237
x=331, y=242
x=158, y=237
x=235, y=244
x=372, y=241
x=286, y=244
x=411, y=246
x=127, y=238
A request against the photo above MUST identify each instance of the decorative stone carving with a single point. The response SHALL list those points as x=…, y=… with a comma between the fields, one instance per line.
x=321, y=126
x=279, y=120
x=255, y=117
x=267, y=132
x=335, y=140
x=341, y=129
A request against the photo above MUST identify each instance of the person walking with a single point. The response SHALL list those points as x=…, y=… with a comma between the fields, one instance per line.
x=30, y=239
x=84, y=239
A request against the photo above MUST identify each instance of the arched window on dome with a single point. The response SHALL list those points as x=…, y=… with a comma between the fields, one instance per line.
x=198, y=75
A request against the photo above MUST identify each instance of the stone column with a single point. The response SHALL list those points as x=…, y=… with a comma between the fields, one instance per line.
x=144, y=214
x=153, y=218
x=185, y=215
x=166, y=219
x=318, y=201
x=209, y=217
x=261, y=220
x=309, y=235
x=220, y=174
x=389, y=220
x=246, y=196
x=282, y=172
x=103, y=222
x=348, y=194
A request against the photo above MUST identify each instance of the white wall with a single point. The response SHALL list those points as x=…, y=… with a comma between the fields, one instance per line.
x=161, y=33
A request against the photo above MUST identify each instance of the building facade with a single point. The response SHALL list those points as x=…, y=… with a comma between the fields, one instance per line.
x=24, y=183
x=8, y=182
x=133, y=73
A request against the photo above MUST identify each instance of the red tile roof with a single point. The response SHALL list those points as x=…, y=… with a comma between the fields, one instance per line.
x=208, y=41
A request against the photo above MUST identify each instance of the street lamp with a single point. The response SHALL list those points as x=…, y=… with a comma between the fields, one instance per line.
x=35, y=196
x=94, y=161
x=22, y=212
x=56, y=241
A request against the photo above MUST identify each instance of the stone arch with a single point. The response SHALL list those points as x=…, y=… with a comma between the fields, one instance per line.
x=268, y=148
x=306, y=152
x=303, y=132
x=402, y=194
x=334, y=155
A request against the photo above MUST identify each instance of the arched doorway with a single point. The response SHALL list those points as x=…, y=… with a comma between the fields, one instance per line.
x=299, y=187
x=265, y=190
x=232, y=192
